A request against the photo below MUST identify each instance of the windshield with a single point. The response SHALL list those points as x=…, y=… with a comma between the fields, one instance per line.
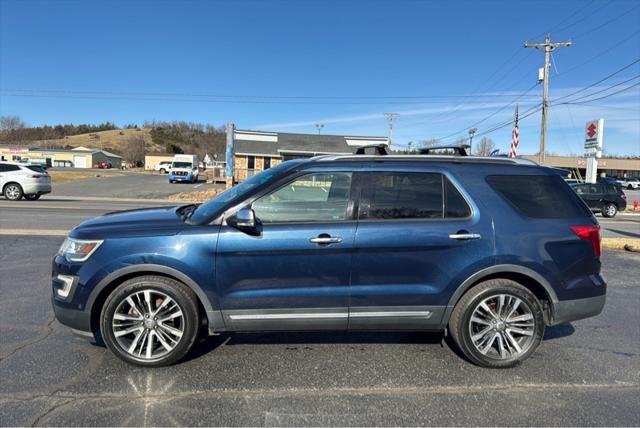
x=181, y=165
x=210, y=208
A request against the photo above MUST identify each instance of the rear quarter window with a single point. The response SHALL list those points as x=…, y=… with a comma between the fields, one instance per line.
x=539, y=196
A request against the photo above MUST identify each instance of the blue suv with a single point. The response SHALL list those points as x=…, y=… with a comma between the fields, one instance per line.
x=488, y=250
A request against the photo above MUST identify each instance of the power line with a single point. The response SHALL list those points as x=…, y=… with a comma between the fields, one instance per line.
x=599, y=81
x=606, y=89
x=604, y=96
x=604, y=24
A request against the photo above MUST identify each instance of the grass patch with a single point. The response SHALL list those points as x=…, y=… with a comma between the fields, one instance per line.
x=195, y=197
x=62, y=176
x=629, y=244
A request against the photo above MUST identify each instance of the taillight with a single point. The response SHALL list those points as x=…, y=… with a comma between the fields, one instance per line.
x=589, y=232
x=39, y=176
x=624, y=196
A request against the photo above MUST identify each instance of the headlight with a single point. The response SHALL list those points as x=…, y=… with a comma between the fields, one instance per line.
x=76, y=250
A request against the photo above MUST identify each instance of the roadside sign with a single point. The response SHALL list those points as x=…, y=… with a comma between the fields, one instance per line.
x=593, y=135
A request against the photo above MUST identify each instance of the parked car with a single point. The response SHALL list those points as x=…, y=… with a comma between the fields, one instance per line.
x=102, y=165
x=490, y=249
x=608, y=180
x=28, y=181
x=163, y=167
x=604, y=198
x=630, y=183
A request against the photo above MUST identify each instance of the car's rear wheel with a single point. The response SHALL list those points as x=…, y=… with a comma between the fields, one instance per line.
x=497, y=324
x=13, y=191
x=150, y=321
x=609, y=210
x=32, y=197
x=163, y=171
x=629, y=187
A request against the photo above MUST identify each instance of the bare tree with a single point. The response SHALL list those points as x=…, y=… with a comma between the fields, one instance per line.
x=134, y=151
x=10, y=123
x=484, y=147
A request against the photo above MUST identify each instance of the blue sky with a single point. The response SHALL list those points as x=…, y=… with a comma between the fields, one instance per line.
x=286, y=65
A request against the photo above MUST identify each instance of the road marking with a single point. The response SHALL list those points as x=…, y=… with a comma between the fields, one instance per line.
x=620, y=222
x=197, y=185
x=54, y=207
x=32, y=232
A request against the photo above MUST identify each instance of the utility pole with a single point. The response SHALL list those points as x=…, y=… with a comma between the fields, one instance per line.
x=390, y=117
x=548, y=48
x=472, y=132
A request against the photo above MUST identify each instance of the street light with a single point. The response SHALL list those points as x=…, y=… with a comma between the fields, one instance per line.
x=472, y=131
x=319, y=126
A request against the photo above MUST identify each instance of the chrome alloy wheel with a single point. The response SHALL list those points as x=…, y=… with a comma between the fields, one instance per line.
x=148, y=324
x=610, y=210
x=502, y=327
x=12, y=192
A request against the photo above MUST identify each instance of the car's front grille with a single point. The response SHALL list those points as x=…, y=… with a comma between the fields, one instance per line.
x=182, y=173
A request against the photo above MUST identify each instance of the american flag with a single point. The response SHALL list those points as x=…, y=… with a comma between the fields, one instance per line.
x=515, y=135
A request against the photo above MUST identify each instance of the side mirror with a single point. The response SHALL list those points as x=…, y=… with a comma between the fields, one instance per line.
x=244, y=220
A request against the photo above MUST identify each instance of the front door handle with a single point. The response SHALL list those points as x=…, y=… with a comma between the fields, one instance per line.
x=465, y=236
x=325, y=239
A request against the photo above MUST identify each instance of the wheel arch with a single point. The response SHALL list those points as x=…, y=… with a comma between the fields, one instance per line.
x=11, y=182
x=111, y=281
x=527, y=277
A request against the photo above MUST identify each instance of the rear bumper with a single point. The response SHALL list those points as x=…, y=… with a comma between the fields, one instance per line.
x=36, y=188
x=573, y=310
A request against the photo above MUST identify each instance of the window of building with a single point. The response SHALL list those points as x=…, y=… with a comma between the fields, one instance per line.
x=267, y=163
x=251, y=162
x=311, y=198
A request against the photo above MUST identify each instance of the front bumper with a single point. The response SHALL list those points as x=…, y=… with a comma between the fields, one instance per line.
x=180, y=177
x=572, y=310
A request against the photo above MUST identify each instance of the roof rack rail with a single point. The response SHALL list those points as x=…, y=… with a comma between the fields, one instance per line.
x=379, y=149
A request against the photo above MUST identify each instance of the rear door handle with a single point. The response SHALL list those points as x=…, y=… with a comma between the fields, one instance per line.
x=465, y=236
x=326, y=239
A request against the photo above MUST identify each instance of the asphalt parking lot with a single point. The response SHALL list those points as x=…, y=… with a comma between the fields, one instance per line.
x=585, y=373
x=129, y=185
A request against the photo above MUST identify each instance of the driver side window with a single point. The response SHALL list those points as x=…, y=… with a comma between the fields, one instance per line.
x=314, y=197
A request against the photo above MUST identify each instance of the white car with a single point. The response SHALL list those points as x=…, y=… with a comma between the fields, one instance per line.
x=18, y=180
x=163, y=167
x=630, y=183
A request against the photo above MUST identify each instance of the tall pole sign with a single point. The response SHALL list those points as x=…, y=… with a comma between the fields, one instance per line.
x=593, y=136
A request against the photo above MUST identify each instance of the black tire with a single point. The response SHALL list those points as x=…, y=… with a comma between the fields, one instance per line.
x=163, y=171
x=629, y=187
x=170, y=181
x=182, y=295
x=13, y=191
x=460, y=322
x=32, y=197
x=609, y=210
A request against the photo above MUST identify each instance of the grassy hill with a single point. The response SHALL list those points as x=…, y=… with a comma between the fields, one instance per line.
x=114, y=140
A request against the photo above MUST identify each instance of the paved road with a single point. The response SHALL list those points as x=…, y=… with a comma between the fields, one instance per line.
x=130, y=185
x=585, y=373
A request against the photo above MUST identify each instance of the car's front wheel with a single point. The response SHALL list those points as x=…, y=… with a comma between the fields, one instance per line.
x=497, y=323
x=609, y=210
x=150, y=321
x=163, y=171
x=13, y=191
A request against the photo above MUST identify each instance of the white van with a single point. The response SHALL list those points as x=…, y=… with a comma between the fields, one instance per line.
x=184, y=168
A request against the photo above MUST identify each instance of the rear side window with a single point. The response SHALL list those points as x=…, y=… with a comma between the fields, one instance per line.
x=411, y=195
x=37, y=169
x=539, y=196
x=8, y=167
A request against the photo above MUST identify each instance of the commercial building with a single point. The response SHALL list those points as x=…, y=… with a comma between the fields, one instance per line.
x=79, y=157
x=610, y=167
x=255, y=151
x=151, y=160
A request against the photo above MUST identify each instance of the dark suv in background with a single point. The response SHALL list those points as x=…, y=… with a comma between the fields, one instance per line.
x=492, y=250
x=605, y=198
